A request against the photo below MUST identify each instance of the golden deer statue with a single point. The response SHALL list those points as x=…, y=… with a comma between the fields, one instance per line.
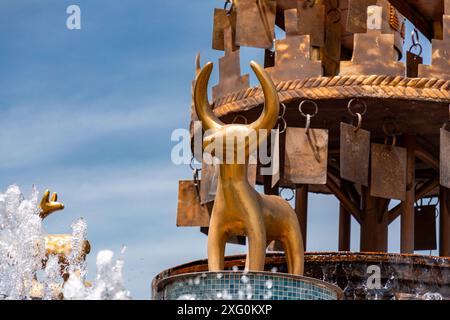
x=238, y=208
x=56, y=245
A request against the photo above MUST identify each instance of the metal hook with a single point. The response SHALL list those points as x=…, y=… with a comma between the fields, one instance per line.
x=359, y=115
x=415, y=38
x=225, y=6
x=282, y=119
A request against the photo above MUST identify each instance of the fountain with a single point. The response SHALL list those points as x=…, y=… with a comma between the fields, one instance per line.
x=38, y=266
x=354, y=121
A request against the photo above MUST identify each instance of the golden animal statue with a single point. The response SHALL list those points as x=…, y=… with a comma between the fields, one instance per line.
x=238, y=208
x=56, y=245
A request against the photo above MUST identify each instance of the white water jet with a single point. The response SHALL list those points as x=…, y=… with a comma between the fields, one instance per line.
x=26, y=272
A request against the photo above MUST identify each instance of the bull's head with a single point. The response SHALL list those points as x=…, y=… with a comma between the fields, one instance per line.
x=235, y=139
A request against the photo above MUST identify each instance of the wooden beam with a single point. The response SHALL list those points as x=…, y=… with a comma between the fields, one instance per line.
x=444, y=223
x=301, y=208
x=427, y=158
x=408, y=213
x=426, y=188
x=345, y=223
x=374, y=227
x=342, y=197
x=414, y=17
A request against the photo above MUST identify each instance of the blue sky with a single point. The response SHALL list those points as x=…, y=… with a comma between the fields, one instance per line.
x=89, y=113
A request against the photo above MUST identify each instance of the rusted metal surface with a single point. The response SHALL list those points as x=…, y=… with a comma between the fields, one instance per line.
x=425, y=228
x=445, y=158
x=293, y=55
x=306, y=156
x=190, y=212
x=355, y=154
x=444, y=222
x=357, y=15
x=440, y=64
x=255, y=23
x=222, y=21
x=331, y=53
x=373, y=54
x=208, y=185
x=412, y=64
x=230, y=79
x=311, y=21
x=388, y=172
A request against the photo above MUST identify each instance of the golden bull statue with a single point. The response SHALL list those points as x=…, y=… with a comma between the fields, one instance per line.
x=238, y=208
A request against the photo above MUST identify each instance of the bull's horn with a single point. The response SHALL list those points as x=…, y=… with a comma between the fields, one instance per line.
x=271, y=109
x=202, y=107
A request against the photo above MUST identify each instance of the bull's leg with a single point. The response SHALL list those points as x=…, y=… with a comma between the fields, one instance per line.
x=294, y=250
x=255, y=229
x=217, y=239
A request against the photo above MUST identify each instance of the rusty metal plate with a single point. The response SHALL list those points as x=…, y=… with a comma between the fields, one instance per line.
x=255, y=23
x=230, y=79
x=222, y=21
x=388, y=172
x=412, y=64
x=306, y=156
x=425, y=228
x=293, y=54
x=208, y=186
x=355, y=154
x=190, y=212
x=311, y=21
x=275, y=166
x=357, y=15
x=445, y=158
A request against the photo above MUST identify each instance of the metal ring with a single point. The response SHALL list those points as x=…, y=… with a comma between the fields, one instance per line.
x=191, y=165
x=293, y=193
x=356, y=101
x=338, y=14
x=316, y=111
x=394, y=130
x=240, y=116
x=416, y=45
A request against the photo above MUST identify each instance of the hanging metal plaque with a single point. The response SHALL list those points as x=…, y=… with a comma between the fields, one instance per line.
x=425, y=228
x=357, y=15
x=223, y=20
x=355, y=154
x=306, y=156
x=445, y=158
x=190, y=212
x=255, y=23
x=311, y=21
x=412, y=64
x=388, y=172
x=208, y=186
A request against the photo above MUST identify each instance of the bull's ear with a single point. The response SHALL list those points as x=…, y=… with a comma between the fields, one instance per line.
x=202, y=106
x=271, y=109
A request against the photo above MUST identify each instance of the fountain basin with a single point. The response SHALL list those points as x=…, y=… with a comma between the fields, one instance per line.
x=238, y=285
x=402, y=276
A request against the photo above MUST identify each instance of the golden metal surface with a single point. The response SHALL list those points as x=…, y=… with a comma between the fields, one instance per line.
x=59, y=245
x=238, y=208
